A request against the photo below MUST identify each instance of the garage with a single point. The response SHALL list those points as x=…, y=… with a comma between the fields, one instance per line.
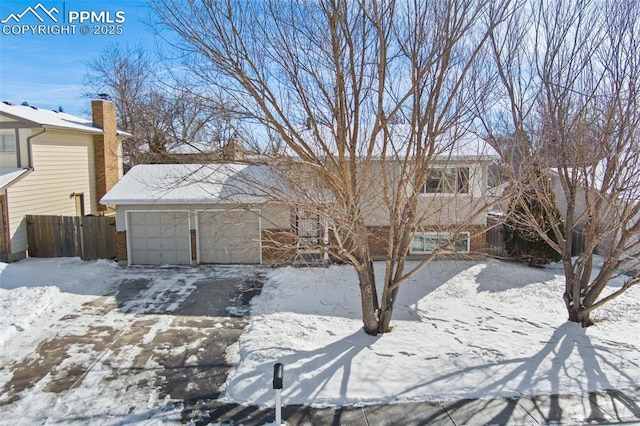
x=158, y=237
x=228, y=236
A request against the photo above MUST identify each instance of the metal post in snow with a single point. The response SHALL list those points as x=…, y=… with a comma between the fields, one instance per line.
x=278, y=373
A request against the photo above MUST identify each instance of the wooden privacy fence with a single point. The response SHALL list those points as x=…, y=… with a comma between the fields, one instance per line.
x=88, y=237
x=495, y=238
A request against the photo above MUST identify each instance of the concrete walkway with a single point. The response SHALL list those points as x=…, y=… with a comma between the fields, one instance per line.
x=613, y=407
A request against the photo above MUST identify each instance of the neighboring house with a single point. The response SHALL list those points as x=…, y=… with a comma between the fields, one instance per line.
x=225, y=213
x=53, y=163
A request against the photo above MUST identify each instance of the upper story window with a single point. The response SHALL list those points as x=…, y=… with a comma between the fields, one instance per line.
x=446, y=180
x=7, y=142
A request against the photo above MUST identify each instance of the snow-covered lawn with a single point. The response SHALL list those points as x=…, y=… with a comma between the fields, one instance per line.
x=462, y=329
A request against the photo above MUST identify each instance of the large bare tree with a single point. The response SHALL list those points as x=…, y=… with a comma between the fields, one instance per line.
x=162, y=112
x=570, y=73
x=366, y=96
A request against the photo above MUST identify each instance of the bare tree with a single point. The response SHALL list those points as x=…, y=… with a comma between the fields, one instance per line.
x=162, y=113
x=571, y=78
x=369, y=97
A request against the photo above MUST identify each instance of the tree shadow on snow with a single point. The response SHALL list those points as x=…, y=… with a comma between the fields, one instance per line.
x=308, y=373
x=524, y=376
x=335, y=291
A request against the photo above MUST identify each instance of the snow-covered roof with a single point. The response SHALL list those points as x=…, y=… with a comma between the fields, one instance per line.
x=194, y=184
x=8, y=175
x=463, y=144
x=51, y=118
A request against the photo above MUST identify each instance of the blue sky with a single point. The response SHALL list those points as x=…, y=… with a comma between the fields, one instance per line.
x=47, y=70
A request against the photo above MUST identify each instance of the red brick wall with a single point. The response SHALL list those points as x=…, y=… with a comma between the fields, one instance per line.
x=105, y=147
x=194, y=247
x=121, y=246
x=378, y=240
x=278, y=246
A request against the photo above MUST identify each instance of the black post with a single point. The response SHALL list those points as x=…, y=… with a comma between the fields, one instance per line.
x=278, y=375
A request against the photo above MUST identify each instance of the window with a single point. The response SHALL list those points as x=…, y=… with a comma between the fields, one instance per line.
x=308, y=227
x=447, y=180
x=7, y=142
x=427, y=242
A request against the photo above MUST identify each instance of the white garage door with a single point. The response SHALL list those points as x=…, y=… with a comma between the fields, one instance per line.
x=229, y=236
x=159, y=238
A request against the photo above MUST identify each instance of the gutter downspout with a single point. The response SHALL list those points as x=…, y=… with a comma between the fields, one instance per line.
x=29, y=150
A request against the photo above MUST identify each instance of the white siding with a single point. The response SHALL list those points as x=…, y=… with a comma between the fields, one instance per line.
x=443, y=209
x=63, y=164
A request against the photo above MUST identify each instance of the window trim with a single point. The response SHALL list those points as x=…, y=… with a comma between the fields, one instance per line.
x=447, y=236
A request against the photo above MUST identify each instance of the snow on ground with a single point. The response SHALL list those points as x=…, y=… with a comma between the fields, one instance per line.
x=462, y=329
x=37, y=295
x=35, y=290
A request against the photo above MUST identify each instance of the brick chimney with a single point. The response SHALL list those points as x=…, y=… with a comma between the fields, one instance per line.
x=108, y=165
x=233, y=150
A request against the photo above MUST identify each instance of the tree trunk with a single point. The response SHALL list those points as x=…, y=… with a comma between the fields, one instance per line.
x=368, y=297
x=584, y=318
x=386, y=310
x=577, y=312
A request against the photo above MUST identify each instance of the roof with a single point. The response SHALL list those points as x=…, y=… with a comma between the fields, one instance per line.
x=51, y=118
x=193, y=184
x=9, y=175
x=454, y=144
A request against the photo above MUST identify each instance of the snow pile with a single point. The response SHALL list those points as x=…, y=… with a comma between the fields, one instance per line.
x=34, y=290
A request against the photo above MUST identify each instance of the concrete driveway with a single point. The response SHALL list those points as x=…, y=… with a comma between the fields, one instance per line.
x=163, y=334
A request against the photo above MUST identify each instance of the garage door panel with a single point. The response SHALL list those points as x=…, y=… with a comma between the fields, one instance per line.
x=138, y=244
x=169, y=230
x=229, y=236
x=152, y=218
x=159, y=237
x=152, y=258
x=170, y=258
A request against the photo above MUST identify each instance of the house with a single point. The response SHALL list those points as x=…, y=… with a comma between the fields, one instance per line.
x=231, y=213
x=53, y=163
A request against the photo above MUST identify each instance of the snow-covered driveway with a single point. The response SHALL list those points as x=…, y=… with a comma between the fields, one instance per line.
x=91, y=342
